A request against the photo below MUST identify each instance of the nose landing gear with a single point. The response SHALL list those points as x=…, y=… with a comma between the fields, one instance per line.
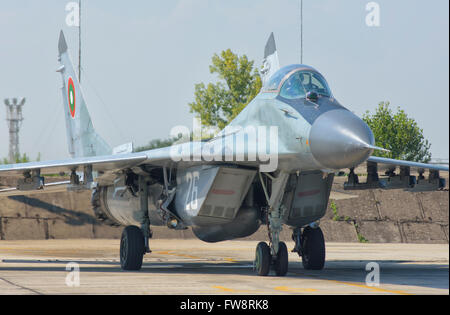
x=264, y=261
x=275, y=255
x=281, y=262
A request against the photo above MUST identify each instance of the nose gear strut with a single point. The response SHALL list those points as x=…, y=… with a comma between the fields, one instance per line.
x=277, y=255
x=134, y=242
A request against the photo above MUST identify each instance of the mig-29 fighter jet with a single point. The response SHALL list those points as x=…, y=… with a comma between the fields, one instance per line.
x=273, y=165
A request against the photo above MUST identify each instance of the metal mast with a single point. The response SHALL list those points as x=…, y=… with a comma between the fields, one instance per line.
x=301, y=31
x=14, y=118
x=79, y=41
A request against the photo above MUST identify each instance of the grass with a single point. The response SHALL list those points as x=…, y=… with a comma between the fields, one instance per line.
x=337, y=217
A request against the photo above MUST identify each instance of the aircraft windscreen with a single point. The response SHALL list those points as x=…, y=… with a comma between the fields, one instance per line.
x=314, y=82
x=298, y=84
x=276, y=79
x=292, y=88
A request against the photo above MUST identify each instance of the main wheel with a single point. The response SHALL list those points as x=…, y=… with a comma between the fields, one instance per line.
x=132, y=248
x=313, y=249
x=263, y=259
x=282, y=262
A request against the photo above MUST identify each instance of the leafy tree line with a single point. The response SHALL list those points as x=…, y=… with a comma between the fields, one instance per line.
x=163, y=143
x=239, y=82
x=398, y=133
x=156, y=143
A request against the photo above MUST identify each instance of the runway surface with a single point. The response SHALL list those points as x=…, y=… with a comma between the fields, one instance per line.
x=193, y=267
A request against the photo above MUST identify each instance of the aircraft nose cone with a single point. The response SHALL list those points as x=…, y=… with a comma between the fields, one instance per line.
x=339, y=139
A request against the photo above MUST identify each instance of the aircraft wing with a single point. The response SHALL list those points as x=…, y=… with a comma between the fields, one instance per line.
x=397, y=180
x=391, y=163
x=29, y=174
x=99, y=163
x=104, y=165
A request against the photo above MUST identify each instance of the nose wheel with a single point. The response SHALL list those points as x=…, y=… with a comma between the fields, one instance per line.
x=281, y=262
x=264, y=260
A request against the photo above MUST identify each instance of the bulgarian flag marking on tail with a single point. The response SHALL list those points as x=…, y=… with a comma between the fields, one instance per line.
x=71, y=96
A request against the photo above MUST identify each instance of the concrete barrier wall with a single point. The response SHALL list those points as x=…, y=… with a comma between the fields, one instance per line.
x=377, y=216
x=394, y=216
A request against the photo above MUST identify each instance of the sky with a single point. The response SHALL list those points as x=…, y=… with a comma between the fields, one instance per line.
x=141, y=60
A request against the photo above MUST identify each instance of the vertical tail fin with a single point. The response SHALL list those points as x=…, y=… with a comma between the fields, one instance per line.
x=271, y=64
x=81, y=136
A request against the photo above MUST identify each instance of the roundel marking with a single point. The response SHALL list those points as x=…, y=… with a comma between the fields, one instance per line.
x=71, y=97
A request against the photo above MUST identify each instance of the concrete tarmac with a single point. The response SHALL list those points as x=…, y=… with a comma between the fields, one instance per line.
x=193, y=267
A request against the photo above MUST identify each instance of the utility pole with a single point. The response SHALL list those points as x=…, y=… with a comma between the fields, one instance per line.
x=79, y=41
x=301, y=31
x=14, y=118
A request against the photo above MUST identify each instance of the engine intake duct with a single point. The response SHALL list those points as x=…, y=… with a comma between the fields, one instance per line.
x=245, y=223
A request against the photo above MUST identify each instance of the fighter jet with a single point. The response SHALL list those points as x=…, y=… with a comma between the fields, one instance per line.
x=274, y=165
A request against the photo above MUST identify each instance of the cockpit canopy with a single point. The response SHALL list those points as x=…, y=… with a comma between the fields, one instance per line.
x=295, y=81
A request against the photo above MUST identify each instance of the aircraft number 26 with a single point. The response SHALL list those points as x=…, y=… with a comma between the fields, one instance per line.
x=192, y=193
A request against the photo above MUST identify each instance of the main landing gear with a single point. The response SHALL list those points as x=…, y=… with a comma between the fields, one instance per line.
x=310, y=245
x=134, y=243
x=132, y=248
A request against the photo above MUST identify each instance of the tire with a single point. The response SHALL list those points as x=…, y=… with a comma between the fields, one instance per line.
x=132, y=248
x=263, y=259
x=282, y=262
x=313, y=249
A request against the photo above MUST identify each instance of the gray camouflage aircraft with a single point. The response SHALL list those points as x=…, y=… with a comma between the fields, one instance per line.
x=273, y=165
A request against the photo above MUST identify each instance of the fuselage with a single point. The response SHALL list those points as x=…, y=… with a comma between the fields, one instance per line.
x=294, y=125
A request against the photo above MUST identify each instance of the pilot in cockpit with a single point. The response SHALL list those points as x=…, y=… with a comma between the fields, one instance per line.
x=302, y=82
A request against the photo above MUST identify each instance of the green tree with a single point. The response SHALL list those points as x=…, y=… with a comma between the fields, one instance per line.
x=156, y=144
x=217, y=104
x=22, y=158
x=398, y=133
x=164, y=143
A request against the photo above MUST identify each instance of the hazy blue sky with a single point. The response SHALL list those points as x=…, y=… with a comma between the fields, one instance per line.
x=142, y=59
